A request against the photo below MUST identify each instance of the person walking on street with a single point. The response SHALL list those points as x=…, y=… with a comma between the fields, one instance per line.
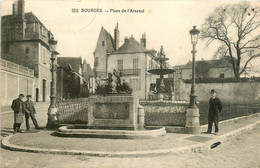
x=18, y=107
x=29, y=112
x=215, y=107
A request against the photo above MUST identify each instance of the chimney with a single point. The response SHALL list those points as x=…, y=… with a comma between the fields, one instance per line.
x=20, y=9
x=126, y=39
x=14, y=9
x=116, y=37
x=143, y=40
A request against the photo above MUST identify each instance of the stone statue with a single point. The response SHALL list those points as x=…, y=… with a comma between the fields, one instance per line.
x=162, y=53
x=114, y=87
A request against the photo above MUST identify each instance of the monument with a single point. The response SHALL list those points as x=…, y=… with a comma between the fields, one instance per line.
x=163, y=70
x=113, y=113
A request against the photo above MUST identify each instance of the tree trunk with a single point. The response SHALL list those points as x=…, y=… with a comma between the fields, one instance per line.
x=236, y=73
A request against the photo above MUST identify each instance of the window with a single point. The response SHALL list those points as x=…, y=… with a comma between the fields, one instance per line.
x=44, y=55
x=96, y=62
x=222, y=75
x=27, y=50
x=120, y=64
x=41, y=30
x=135, y=66
x=34, y=27
x=103, y=43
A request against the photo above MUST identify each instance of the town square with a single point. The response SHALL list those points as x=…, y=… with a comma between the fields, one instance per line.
x=163, y=84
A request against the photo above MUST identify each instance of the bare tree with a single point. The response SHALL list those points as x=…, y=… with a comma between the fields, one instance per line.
x=236, y=29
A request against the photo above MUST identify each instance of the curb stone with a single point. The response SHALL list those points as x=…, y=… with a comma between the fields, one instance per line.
x=192, y=148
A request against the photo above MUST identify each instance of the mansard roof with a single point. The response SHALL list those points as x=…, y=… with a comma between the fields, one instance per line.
x=218, y=63
x=131, y=46
x=30, y=17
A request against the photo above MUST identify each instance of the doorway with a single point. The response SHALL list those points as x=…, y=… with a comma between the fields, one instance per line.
x=43, y=90
x=37, y=95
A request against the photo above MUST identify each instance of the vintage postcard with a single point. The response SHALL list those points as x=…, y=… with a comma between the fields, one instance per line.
x=130, y=83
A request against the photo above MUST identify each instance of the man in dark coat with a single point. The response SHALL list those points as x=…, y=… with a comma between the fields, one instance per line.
x=215, y=107
x=18, y=107
x=29, y=112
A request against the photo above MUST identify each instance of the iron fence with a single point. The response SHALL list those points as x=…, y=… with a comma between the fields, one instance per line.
x=72, y=111
x=230, y=110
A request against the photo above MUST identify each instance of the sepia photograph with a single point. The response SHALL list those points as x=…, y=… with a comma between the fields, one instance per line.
x=130, y=84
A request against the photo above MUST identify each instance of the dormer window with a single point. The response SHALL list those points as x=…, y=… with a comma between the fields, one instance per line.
x=103, y=43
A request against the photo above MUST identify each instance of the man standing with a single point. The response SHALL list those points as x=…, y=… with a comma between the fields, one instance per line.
x=215, y=107
x=18, y=107
x=29, y=112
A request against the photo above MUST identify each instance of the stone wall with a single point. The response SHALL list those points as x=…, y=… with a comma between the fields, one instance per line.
x=228, y=92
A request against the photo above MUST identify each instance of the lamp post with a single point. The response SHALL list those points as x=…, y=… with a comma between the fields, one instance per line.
x=194, y=40
x=52, y=111
x=192, y=113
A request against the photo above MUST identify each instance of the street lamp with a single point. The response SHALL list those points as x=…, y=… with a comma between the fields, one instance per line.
x=192, y=113
x=194, y=40
x=52, y=111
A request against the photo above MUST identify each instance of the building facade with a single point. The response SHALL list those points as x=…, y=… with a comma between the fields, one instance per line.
x=15, y=80
x=206, y=69
x=132, y=59
x=25, y=41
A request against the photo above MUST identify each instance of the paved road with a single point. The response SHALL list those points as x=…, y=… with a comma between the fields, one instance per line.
x=7, y=117
x=242, y=151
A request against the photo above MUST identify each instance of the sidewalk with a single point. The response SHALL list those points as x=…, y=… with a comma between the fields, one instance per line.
x=45, y=141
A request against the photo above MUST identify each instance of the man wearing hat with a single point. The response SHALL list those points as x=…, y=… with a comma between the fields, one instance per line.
x=18, y=107
x=29, y=112
x=215, y=107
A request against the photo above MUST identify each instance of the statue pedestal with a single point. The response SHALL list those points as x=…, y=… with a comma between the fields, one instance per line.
x=192, y=121
x=113, y=111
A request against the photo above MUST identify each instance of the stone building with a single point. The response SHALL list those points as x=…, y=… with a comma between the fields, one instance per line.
x=206, y=69
x=25, y=41
x=132, y=59
x=69, y=77
x=88, y=77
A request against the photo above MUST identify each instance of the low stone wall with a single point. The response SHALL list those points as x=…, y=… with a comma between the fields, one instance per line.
x=164, y=113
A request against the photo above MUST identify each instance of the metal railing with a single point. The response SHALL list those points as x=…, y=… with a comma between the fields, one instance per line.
x=72, y=111
x=229, y=110
x=130, y=72
x=12, y=67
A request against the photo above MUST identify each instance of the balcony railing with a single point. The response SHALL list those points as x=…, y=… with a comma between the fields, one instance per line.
x=12, y=67
x=130, y=72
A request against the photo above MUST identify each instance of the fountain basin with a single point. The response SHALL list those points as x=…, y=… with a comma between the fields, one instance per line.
x=83, y=132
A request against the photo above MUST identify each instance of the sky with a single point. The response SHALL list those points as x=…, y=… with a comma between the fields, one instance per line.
x=165, y=23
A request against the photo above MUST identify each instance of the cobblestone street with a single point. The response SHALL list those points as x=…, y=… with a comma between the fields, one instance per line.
x=242, y=151
x=7, y=116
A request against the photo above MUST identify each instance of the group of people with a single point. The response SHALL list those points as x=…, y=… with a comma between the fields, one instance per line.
x=23, y=108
